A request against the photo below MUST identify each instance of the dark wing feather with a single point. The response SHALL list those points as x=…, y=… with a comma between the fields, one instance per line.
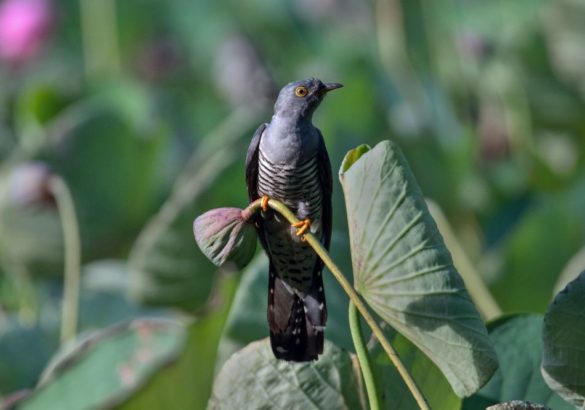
x=252, y=180
x=326, y=179
x=252, y=163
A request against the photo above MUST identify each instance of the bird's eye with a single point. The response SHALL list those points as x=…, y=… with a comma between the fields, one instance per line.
x=301, y=91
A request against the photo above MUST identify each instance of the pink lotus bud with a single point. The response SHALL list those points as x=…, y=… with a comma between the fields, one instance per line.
x=224, y=235
x=24, y=26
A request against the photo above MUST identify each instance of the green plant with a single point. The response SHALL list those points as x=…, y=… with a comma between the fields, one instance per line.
x=402, y=269
x=143, y=109
x=429, y=347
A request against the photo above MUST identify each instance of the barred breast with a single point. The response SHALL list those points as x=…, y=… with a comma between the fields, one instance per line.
x=298, y=187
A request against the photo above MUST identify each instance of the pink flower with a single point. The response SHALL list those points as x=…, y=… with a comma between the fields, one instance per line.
x=24, y=26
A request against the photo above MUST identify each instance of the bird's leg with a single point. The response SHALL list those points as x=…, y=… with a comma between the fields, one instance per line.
x=264, y=203
x=303, y=226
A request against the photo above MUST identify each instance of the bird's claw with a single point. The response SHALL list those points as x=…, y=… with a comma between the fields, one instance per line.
x=303, y=226
x=264, y=203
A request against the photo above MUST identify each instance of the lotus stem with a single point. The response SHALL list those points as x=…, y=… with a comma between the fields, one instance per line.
x=353, y=296
x=363, y=356
x=72, y=245
x=99, y=29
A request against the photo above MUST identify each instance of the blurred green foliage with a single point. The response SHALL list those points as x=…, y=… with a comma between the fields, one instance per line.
x=146, y=110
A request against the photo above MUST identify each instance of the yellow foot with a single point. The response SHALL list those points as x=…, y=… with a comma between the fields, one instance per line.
x=303, y=226
x=264, y=203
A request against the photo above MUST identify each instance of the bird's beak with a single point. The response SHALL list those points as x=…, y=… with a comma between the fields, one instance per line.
x=325, y=88
x=331, y=86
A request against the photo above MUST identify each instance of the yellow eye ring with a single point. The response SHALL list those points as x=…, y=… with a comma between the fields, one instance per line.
x=301, y=91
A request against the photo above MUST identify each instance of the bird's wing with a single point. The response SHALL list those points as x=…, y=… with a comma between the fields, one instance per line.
x=326, y=182
x=252, y=163
x=252, y=181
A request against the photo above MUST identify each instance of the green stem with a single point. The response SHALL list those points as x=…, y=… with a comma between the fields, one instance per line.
x=352, y=294
x=99, y=30
x=364, y=359
x=17, y=273
x=28, y=307
x=72, y=251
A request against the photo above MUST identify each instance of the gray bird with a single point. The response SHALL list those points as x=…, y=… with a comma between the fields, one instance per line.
x=287, y=160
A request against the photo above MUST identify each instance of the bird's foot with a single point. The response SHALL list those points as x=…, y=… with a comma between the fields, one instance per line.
x=264, y=203
x=302, y=226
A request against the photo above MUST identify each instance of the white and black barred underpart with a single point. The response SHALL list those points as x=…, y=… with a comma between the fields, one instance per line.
x=292, y=184
x=298, y=187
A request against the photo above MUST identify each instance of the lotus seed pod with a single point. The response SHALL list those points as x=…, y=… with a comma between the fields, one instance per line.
x=223, y=235
x=28, y=184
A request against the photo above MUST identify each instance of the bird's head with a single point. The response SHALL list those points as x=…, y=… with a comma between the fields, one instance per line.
x=300, y=98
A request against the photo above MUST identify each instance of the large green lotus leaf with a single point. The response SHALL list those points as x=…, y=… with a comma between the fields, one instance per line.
x=563, y=334
x=393, y=391
x=104, y=368
x=253, y=378
x=144, y=364
x=403, y=269
x=26, y=349
x=518, y=343
x=247, y=319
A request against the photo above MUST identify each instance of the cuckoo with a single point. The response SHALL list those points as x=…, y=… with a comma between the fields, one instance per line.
x=287, y=160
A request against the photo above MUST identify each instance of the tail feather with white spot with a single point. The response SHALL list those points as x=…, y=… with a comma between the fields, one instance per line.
x=296, y=323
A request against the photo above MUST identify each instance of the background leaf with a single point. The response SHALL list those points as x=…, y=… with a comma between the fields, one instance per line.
x=24, y=351
x=484, y=97
x=120, y=164
x=563, y=335
x=123, y=356
x=187, y=383
x=429, y=379
x=404, y=271
x=166, y=267
x=143, y=364
x=255, y=377
x=571, y=270
x=560, y=216
x=518, y=343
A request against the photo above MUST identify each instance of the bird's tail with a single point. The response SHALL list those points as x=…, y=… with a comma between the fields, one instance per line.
x=296, y=323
